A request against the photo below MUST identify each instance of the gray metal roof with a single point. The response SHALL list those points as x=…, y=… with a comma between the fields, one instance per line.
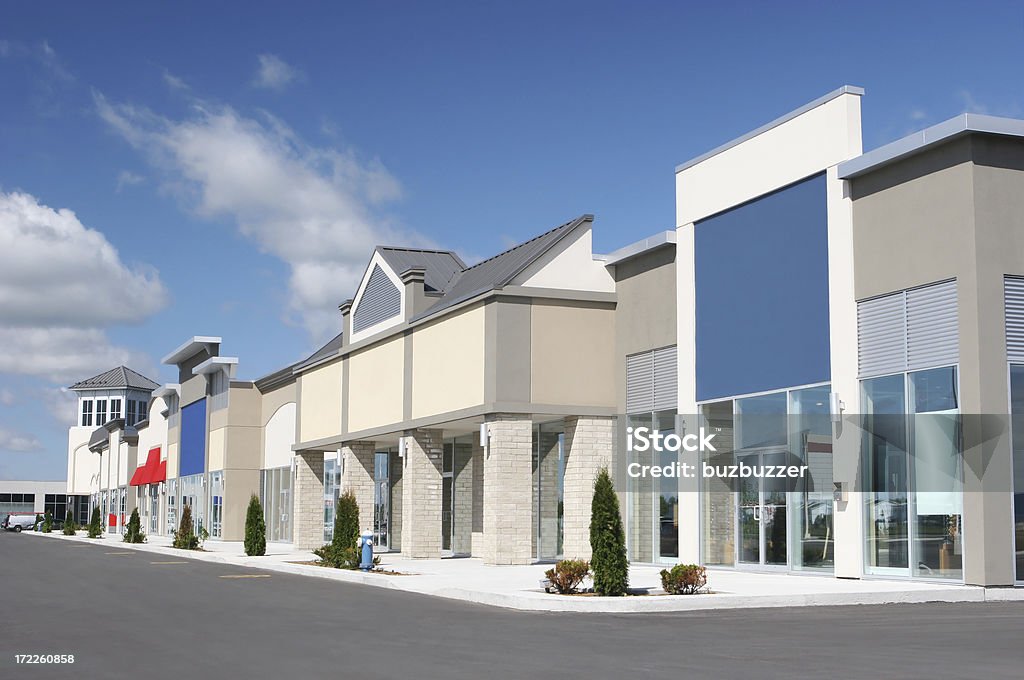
x=499, y=270
x=440, y=265
x=116, y=378
x=917, y=142
x=99, y=438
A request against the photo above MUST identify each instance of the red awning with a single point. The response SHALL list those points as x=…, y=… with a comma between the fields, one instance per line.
x=152, y=472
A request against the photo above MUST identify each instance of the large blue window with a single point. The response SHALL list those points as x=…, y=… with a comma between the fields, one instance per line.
x=193, y=439
x=761, y=273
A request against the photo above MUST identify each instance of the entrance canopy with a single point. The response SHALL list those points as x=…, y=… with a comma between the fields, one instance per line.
x=155, y=470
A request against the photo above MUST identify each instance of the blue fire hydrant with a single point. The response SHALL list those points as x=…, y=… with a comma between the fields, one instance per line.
x=366, y=544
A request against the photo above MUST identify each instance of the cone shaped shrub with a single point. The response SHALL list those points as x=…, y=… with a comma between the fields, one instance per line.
x=255, y=528
x=69, y=524
x=607, y=539
x=133, y=532
x=346, y=521
x=342, y=552
x=95, y=526
x=47, y=522
x=185, y=537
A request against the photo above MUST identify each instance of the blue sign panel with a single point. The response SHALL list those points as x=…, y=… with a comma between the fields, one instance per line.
x=761, y=275
x=193, y=439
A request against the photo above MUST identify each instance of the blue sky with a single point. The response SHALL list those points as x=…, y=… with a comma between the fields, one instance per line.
x=224, y=169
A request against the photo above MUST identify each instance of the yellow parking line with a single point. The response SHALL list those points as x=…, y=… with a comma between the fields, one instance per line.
x=246, y=576
x=174, y=562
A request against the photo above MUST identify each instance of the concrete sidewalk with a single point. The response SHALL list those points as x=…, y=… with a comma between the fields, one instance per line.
x=516, y=587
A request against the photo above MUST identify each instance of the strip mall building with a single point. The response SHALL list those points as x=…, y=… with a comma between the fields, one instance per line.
x=816, y=305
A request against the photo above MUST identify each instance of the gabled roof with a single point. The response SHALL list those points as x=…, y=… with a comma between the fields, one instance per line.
x=115, y=378
x=284, y=375
x=498, y=271
x=440, y=265
x=332, y=346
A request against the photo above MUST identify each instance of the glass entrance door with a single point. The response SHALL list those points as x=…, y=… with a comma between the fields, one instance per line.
x=381, y=501
x=761, y=514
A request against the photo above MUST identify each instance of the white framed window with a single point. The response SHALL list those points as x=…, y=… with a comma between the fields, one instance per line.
x=101, y=412
x=143, y=406
x=129, y=418
x=86, y=420
x=115, y=409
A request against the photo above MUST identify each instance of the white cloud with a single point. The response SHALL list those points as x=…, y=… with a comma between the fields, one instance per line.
x=62, y=404
x=174, y=82
x=18, y=442
x=127, y=178
x=972, y=104
x=64, y=354
x=54, y=271
x=7, y=397
x=61, y=285
x=312, y=207
x=274, y=73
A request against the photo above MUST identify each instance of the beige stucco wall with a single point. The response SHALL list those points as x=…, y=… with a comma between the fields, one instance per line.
x=957, y=211
x=217, y=449
x=448, y=363
x=320, y=395
x=916, y=232
x=573, y=348
x=375, y=387
x=645, y=315
x=172, y=453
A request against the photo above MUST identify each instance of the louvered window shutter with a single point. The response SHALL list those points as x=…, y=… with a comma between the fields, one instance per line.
x=381, y=300
x=665, y=379
x=933, y=337
x=908, y=331
x=1013, y=293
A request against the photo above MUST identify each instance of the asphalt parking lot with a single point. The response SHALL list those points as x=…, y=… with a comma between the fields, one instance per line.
x=130, y=614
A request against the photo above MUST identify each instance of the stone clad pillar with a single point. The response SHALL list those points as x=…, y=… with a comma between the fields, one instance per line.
x=309, y=500
x=421, y=494
x=508, y=490
x=589, y=443
x=357, y=476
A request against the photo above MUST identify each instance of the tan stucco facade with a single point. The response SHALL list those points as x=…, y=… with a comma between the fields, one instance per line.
x=448, y=364
x=320, y=400
x=573, y=350
x=375, y=385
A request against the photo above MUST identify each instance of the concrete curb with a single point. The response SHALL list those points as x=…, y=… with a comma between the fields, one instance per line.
x=542, y=602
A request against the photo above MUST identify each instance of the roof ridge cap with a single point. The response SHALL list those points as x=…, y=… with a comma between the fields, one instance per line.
x=575, y=220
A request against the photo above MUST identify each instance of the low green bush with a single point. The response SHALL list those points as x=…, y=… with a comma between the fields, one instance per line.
x=684, y=579
x=338, y=558
x=567, y=575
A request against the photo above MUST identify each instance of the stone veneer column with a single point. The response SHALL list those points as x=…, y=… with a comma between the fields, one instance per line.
x=357, y=476
x=589, y=443
x=508, y=490
x=421, y=494
x=309, y=500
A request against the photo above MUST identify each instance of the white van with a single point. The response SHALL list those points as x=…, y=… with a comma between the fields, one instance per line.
x=20, y=521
